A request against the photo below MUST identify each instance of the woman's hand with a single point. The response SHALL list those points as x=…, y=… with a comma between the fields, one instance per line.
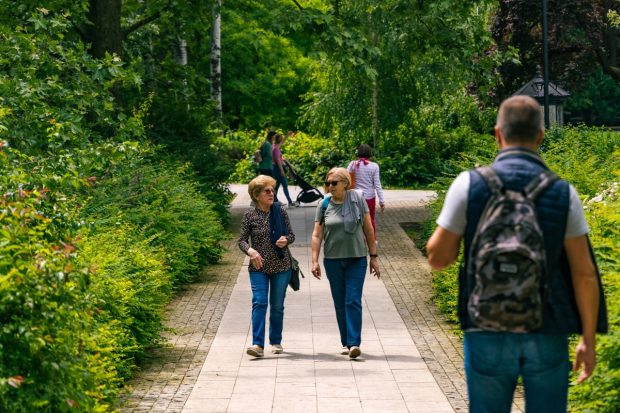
x=316, y=270
x=374, y=267
x=255, y=258
x=282, y=242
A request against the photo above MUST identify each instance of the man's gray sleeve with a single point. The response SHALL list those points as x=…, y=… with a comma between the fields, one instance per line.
x=453, y=216
x=576, y=224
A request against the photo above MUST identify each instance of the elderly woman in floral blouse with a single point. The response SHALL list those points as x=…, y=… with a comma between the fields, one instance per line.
x=268, y=227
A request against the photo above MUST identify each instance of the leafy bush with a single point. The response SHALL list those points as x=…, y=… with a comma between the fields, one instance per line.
x=163, y=202
x=50, y=355
x=584, y=156
x=53, y=95
x=600, y=393
x=128, y=289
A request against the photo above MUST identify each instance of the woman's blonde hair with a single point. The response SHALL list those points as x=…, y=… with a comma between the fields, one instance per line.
x=340, y=174
x=256, y=185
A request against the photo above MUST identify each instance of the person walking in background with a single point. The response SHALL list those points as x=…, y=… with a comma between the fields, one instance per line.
x=278, y=168
x=368, y=180
x=265, y=167
x=567, y=302
x=344, y=227
x=268, y=227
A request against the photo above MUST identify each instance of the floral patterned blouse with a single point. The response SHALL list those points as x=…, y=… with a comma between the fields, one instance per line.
x=255, y=226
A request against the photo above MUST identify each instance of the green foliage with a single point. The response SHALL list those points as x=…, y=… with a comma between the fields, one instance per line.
x=436, y=141
x=50, y=360
x=264, y=73
x=164, y=203
x=84, y=278
x=600, y=393
x=53, y=94
x=599, y=100
x=313, y=156
x=128, y=288
x=584, y=156
x=402, y=55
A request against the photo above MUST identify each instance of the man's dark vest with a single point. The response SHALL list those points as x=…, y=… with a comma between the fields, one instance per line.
x=516, y=167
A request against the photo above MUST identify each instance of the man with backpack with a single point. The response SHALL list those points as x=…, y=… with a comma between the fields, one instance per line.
x=529, y=277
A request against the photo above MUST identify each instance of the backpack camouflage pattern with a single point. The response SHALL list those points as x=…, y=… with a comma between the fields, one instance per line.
x=507, y=258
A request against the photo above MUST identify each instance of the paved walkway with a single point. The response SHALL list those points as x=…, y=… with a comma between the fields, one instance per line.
x=411, y=361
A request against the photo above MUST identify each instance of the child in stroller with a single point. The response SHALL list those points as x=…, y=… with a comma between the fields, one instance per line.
x=308, y=192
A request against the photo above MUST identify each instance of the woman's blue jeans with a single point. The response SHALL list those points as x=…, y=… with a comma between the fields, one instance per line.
x=495, y=360
x=346, y=280
x=261, y=295
x=281, y=180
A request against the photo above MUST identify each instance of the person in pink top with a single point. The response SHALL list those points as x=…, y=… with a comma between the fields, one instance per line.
x=368, y=180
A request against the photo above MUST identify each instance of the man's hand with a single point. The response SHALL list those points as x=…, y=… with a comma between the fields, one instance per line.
x=382, y=207
x=585, y=358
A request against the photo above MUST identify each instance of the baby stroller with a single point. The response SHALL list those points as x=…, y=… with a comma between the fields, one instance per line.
x=308, y=192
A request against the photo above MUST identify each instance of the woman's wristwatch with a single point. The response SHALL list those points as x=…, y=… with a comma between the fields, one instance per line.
x=373, y=255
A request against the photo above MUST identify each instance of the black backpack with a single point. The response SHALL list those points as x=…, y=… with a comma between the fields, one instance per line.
x=507, y=257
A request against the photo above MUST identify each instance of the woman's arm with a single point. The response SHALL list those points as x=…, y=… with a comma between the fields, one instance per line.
x=288, y=239
x=244, y=236
x=379, y=188
x=317, y=238
x=246, y=229
x=372, y=245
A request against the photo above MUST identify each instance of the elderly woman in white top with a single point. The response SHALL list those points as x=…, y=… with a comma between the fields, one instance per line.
x=368, y=180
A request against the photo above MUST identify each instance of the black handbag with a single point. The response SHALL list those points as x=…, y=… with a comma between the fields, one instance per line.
x=294, y=282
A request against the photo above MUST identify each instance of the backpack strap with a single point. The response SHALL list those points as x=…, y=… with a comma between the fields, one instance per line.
x=324, y=205
x=491, y=178
x=539, y=183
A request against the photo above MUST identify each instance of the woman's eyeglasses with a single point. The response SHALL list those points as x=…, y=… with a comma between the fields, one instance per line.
x=268, y=191
x=331, y=183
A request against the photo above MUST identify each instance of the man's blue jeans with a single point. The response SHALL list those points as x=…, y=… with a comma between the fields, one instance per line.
x=494, y=361
x=346, y=280
x=261, y=283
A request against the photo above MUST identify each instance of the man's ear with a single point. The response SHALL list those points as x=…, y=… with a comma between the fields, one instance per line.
x=499, y=138
x=540, y=137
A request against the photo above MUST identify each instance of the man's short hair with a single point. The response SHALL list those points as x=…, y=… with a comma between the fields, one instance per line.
x=520, y=119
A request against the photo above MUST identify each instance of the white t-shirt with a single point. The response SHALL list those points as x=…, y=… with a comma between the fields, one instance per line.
x=453, y=216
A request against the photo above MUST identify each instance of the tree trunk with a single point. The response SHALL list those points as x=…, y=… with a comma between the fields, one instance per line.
x=216, y=67
x=105, y=33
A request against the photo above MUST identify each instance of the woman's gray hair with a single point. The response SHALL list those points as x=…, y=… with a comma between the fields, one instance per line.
x=341, y=174
x=256, y=185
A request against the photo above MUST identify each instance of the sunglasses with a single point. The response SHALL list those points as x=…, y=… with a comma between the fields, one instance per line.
x=331, y=183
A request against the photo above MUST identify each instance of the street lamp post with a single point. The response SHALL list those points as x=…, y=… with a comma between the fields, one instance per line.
x=545, y=62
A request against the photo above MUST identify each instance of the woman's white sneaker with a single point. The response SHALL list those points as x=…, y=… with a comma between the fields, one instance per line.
x=354, y=352
x=255, y=351
x=344, y=351
x=277, y=349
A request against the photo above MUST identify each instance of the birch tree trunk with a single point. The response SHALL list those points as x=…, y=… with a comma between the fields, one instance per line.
x=216, y=66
